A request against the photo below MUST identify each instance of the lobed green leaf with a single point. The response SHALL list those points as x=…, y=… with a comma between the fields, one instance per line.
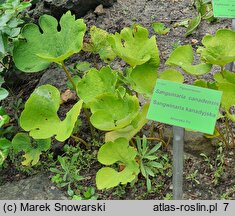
x=46, y=44
x=143, y=78
x=134, y=46
x=219, y=49
x=228, y=99
x=112, y=112
x=133, y=128
x=204, y=84
x=40, y=116
x=225, y=77
x=95, y=83
x=99, y=44
x=22, y=142
x=114, y=152
x=183, y=57
x=172, y=75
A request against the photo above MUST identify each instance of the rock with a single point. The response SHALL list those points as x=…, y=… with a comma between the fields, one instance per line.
x=57, y=8
x=99, y=10
x=194, y=142
x=37, y=187
x=15, y=78
x=54, y=76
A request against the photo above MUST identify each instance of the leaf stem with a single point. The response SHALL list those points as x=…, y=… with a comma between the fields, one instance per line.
x=161, y=133
x=169, y=139
x=229, y=131
x=152, y=129
x=88, y=119
x=222, y=71
x=68, y=75
x=132, y=143
x=221, y=135
x=88, y=146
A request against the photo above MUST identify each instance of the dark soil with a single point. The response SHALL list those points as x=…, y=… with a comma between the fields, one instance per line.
x=124, y=13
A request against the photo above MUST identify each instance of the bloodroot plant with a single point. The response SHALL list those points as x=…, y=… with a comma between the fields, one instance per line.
x=111, y=97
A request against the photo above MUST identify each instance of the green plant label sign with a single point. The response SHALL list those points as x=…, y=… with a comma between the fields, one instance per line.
x=186, y=106
x=224, y=8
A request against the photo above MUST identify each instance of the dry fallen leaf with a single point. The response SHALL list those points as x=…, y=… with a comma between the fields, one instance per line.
x=68, y=95
x=121, y=167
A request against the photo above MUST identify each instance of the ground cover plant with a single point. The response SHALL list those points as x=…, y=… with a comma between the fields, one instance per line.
x=110, y=98
x=10, y=26
x=204, y=12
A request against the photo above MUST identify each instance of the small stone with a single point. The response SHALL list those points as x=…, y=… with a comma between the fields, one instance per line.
x=194, y=41
x=51, y=76
x=99, y=10
x=227, y=161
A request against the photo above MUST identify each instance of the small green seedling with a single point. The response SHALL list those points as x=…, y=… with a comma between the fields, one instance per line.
x=148, y=159
x=160, y=28
x=68, y=173
x=193, y=177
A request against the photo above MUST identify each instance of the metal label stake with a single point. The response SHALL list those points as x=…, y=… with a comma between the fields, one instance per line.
x=178, y=162
x=230, y=65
